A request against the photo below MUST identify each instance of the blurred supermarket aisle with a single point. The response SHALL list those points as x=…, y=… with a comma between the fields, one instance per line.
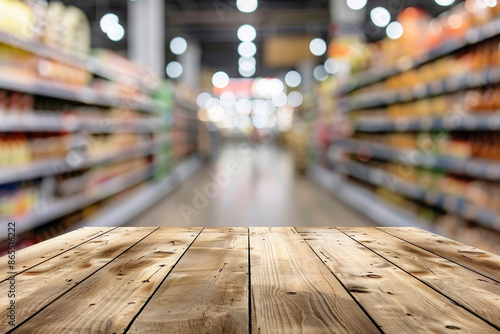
x=263, y=191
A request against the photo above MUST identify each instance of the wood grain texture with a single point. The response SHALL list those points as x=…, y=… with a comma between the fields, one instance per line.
x=396, y=301
x=43, y=251
x=473, y=258
x=293, y=291
x=467, y=288
x=206, y=292
x=39, y=286
x=108, y=300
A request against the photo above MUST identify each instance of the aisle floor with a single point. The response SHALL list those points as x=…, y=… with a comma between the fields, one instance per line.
x=263, y=190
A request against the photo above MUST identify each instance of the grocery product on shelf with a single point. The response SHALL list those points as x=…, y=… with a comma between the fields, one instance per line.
x=423, y=121
x=79, y=130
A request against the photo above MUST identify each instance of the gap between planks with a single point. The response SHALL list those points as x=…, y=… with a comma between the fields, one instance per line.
x=482, y=304
x=33, y=252
x=406, y=305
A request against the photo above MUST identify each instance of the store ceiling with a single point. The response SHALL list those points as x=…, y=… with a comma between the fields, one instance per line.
x=213, y=24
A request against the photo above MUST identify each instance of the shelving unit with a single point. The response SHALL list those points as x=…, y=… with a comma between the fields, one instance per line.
x=476, y=168
x=452, y=204
x=112, y=154
x=473, y=36
x=384, y=214
x=466, y=122
x=385, y=115
x=450, y=85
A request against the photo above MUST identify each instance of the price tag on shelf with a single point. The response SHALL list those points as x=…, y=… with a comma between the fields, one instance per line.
x=428, y=160
x=452, y=83
x=493, y=122
x=419, y=90
x=426, y=124
x=401, y=125
x=406, y=94
x=477, y=79
x=450, y=204
x=470, y=123
x=473, y=168
x=470, y=211
x=431, y=198
x=377, y=177
x=436, y=87
x=493, y=172
x=473, y=35
x=390, y=97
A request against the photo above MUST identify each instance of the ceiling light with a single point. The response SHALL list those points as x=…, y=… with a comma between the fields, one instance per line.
x=244, y=106
x=178, y=45
x=247, y=74
x=295, y=99
x=279, y=100
x=444, y=2
x=247, y=49
x=220, y=79
x=356, y=4
x=394, y=30
x=246, y=33
x=317, y=47
x=108, y=21
x=247, y=6
x=332, y=65
x=116, y=32
x=174, y=69
x=293, y=78
x=227, y=99
x=380, y=16
x=320, y=73
x=202, y=99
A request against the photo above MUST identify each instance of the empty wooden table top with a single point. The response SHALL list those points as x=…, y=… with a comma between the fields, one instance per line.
x=259, y=280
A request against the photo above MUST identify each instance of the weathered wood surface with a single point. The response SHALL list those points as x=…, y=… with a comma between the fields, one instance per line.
x=485, y=263
x=41, y=285
x=396, y=301
x=473, y=291
x=31, y=256
x=258, y=280
x=293, y=292
x=108, y=300
x=207, y=292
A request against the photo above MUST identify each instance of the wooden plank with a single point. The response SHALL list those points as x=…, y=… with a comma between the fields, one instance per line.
x=206, y=292
x=31, y=256
x=108, y=300
x=39, y=286
x=396, y=301
x=465, y=287
x=294, y=292
x=485, y=263
x=239, y=230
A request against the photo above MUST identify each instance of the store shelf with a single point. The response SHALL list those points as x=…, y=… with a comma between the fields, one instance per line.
x=450, y=85
x=133, y=205
x=452, y=204
x=451, y=122
x=40, y=124
x=57, y=166
x=364, y=201
x=73, y=203
x=69, y=58
x=85, y=95
x=43, y=50
x=485, y=169
x=473, y=36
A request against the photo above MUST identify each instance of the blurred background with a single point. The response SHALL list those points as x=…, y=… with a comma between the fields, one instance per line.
x=250, y=113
